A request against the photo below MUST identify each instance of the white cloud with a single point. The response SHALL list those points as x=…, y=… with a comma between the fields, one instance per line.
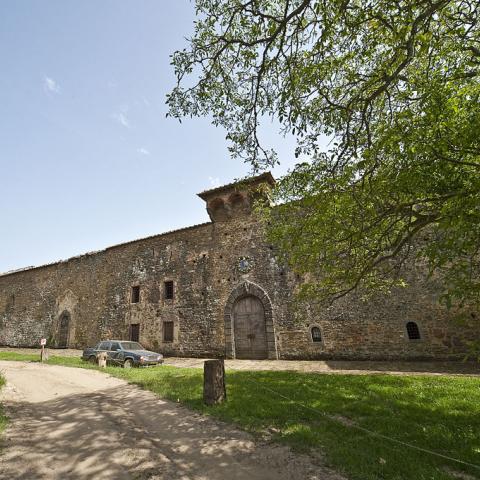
x=121, y=118
x=143, y=151
x=50, y=85
x=214, y=181
x=142, y=102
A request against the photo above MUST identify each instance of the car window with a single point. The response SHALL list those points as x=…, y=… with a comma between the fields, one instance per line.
x=104, y=346
x=132, y=346
x=115, y=347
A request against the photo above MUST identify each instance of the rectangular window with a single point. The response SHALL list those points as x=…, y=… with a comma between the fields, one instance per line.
x=169, y=290
x=168, y=331
x=135, y=294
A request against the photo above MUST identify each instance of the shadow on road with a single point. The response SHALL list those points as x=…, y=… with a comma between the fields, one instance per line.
x=125, y=433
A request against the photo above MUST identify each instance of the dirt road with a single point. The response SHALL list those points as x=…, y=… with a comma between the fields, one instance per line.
x=79, y=424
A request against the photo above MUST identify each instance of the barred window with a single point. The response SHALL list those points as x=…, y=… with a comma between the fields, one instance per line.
x=316, y=334
x=413, y=331
x=169, y=289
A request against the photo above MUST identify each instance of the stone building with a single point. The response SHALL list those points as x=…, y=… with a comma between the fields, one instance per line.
x=216, y=289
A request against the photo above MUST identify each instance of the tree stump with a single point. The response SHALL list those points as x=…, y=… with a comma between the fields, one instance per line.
x=102, y=359
x=214, y=391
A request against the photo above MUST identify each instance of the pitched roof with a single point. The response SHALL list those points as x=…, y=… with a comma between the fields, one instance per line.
x=97, y=252
x=266, y=177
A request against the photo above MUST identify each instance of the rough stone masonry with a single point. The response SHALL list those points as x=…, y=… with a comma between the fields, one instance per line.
x=217, y=290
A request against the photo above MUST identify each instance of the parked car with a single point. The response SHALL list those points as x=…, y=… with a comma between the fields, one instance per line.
x=121, y=352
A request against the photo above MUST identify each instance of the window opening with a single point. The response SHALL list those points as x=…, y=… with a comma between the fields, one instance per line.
x=136, y=294
x=413, y=331
x=316, y=334
x=169, y=289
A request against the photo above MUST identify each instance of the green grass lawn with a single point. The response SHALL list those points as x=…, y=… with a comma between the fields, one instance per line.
x=310, y=411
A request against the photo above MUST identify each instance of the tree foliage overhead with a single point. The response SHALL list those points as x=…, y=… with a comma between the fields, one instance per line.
x=395, y=85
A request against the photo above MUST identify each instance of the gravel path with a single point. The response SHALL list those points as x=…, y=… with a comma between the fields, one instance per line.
x=352, y=367
x=68, y=423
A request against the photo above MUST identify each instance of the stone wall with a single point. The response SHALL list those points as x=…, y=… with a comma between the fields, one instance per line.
x=207, y=264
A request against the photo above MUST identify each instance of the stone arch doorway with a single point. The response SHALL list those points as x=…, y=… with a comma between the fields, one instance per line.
x=249, y=331
x=63, y=330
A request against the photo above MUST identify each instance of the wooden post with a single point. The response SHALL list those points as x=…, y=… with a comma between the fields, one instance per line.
x=214, y=391
x=44, y=354
x=102, y=359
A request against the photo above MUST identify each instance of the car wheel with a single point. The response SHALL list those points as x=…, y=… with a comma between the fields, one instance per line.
x=128, y=363
x=92, y=359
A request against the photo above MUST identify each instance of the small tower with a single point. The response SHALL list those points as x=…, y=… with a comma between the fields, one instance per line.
x=235, y=199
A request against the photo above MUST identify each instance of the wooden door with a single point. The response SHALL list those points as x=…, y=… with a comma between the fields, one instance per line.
x=135, y=332
x=63, y=331
x=249, y=329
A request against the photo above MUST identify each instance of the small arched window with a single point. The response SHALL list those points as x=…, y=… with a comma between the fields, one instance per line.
x=316, y=334
x=237, y=201
x=217, y=210
x=413, y=331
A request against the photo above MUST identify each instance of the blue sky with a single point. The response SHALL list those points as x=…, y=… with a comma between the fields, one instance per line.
x=87, y=157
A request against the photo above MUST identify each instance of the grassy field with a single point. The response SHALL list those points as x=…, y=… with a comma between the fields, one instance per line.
x=312, y=411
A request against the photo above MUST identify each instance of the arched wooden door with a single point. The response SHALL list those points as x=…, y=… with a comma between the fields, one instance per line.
x=250, y=333
x=63, y=331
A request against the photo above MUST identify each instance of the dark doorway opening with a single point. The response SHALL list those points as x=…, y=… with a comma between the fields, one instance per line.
x=135, y=332
x=64, y=330
x=168, y=331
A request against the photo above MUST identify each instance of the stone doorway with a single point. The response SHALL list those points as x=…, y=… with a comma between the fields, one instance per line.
x=64, y=330
x=249, y=328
